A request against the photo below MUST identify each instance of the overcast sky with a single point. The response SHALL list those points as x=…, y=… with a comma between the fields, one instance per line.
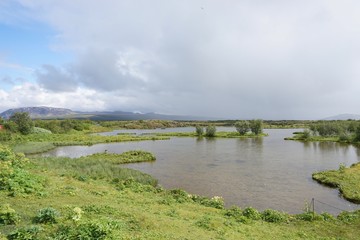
x=267, y=59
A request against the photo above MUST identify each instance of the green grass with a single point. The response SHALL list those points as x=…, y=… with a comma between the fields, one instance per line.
x=33, y=147
x=346, y=179
x=36, y=143
x=99, y=166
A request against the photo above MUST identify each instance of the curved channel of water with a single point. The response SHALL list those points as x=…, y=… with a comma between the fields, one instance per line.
x=266, y=172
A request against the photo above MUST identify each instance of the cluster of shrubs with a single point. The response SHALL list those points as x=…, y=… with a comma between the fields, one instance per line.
x=13, y=177
x=255, y=126
x=63, y=126
x=269, y=215
x=210, y=131
x=70, y=230
x=347, y=131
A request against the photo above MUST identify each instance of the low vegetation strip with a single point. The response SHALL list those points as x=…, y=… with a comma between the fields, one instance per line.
x=217, y=135
x=346, y=179
x=125, y=157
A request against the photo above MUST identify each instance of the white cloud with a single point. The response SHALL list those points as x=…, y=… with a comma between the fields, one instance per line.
x=269, y=59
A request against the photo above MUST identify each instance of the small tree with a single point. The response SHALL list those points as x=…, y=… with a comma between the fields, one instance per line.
x=256, y=126
x=210, y=131
x=199, y=130
x=242, y=127
x=23, y=122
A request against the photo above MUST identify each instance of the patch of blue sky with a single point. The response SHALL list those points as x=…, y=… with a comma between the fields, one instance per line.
x=30, y=45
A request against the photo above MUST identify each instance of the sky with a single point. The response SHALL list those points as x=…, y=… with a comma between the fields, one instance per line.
x=231, y=59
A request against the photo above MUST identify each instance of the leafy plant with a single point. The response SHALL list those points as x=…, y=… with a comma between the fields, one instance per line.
x=8, y=215
x=251, y=213
x=256, y=126
x=89, y=230
x=242, y=127
x=47, y=215
x=25, y=233
x=270, y=215
x=199, y=130
x=210, y=131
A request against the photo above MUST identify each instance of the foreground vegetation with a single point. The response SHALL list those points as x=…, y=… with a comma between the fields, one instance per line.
x=93, y=197
x=346, y=179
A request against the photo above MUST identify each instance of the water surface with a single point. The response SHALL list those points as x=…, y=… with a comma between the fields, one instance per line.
x=266, y=172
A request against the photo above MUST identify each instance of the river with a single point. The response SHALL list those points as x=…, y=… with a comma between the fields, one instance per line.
x=266, y=172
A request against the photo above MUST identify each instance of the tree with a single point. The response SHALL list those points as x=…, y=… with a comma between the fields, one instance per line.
x=210, y=131
x=242, y=127
x=23, y=122
x=256, y=126
x=199, y=130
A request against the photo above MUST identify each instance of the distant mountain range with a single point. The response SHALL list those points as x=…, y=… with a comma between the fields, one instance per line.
x=63, y=113
x=344, y=117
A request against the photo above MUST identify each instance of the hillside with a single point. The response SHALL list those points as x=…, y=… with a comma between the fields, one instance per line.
x=61, y=113
x=39, y=112
x=344, y=117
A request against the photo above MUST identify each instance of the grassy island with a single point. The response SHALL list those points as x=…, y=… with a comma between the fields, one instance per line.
x=346, y=179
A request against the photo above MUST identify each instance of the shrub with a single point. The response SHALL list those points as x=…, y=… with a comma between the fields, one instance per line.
x=215, y=202
x=348, y=217
x=234, y=212
x=327, y=216
x=306, y=134
x=180, y=195
x=199, y=130
x=309, y=216
x=8, y=215
x=242, y=127
x=256, y=126
x=210, y=131
x=251, y=213
x=5, y=136
x=274, y=216
x=47, y=215
x=23, y=122
x=89, y=230
x=25, y=233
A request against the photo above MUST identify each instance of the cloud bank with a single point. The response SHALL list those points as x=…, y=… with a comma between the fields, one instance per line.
x=230, y=59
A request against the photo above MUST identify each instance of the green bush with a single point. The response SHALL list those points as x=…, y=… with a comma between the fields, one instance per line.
x=5, y=136
x=242, y=127
x=256, y=126
x=210, y=131
x=215, y=202
x=348, y=217
x=89, y=231
x=25, y=233
x=251, y=213
x=274, y=216
x=309, y=216
x=8, y=215
x=180, y=195
x=47, y=215
x=199, y=130
x=327, y=216
x=234, y=212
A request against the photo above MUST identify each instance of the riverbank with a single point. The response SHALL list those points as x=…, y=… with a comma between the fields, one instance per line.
x=90, y=197
x=345, y=179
